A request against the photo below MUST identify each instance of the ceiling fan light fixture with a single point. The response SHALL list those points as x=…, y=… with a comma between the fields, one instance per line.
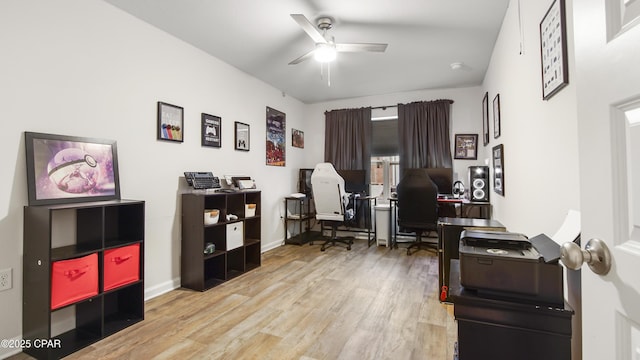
x=456, y=65
x=325, y=52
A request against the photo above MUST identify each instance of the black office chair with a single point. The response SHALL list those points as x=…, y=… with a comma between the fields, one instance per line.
x=331, y=202
x=418, y=207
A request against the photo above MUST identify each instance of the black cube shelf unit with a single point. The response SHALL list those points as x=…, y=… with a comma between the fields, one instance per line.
x=87, y=228
x=236, y=241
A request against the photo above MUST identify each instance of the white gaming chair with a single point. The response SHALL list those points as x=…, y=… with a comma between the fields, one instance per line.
x=330, y=201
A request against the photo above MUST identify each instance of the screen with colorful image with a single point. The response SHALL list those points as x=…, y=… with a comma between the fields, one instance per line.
x=66, y=169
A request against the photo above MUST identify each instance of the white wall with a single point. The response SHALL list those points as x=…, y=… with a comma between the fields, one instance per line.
x=540, y=137
x=465, y=116
x=85, y=68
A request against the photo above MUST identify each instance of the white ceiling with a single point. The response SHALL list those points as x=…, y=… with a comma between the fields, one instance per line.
x=260, y=38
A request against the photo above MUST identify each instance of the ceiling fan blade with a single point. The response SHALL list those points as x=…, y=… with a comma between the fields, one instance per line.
x=362, y=47
x=309, y=28
x=303, y=57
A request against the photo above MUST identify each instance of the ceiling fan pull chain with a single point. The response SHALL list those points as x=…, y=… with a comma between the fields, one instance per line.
x=329, y=74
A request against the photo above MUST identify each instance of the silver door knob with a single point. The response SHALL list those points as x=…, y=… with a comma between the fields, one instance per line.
x=596, y=254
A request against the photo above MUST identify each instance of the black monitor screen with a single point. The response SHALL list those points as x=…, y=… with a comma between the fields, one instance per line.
x=443, y=178
x=355, y=181
x=304, y=181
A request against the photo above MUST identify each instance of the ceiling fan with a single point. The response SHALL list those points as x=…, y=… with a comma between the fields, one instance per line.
x=325, y=50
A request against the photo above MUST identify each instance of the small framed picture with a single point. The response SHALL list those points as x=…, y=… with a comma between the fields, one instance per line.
x=466, y=146
x=496, y=116
x=498, y=169
x=170, y=122
x=297, y=138
x=553, y=50
x=485, y=119
x=211, y=130
x=242, y=136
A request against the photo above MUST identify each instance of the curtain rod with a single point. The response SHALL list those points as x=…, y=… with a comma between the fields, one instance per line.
x=392, y=106
x=383, y=107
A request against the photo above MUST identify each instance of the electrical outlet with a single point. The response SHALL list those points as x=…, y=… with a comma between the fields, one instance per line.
x=5, y=279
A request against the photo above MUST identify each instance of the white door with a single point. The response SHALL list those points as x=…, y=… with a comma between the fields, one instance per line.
x=607, y=80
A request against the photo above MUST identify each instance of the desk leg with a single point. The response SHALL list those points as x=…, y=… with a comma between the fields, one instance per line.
x=393, y=240
x=389, y=232
x=443, y=263
x=370, y=222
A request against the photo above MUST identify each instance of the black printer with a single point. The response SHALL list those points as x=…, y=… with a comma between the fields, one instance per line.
x=511, y=265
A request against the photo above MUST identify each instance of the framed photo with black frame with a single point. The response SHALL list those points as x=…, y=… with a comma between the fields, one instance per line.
x=553, y=50
x=242, y=136
x=485, y=119
x=170, y=122
x=211, y=130
x=498, y=169
x=65, y=169
x=466, y=147
x=496, y=116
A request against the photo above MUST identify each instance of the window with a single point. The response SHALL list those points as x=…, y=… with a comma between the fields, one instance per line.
x=385, y=159
x=385, y=174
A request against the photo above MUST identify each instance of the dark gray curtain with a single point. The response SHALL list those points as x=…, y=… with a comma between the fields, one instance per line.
x=347, y=139
x=347, y=145
x=423, y=131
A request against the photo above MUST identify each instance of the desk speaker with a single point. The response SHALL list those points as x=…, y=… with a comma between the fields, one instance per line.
x=479, y=183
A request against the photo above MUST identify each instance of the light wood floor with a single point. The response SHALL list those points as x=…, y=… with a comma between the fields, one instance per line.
x=367, y=303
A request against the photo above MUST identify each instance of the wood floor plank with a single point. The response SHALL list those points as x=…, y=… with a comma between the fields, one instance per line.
x=303, y=304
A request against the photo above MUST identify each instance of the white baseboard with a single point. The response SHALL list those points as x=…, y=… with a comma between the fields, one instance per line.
x=272, y=245
x=160, y=289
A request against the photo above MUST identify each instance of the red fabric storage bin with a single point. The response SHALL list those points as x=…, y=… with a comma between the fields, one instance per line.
x=74, y=280
x=121, y=266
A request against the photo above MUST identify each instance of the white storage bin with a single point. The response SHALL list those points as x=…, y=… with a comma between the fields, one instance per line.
x=250, y=210
x=211, y=216
x=235, y=235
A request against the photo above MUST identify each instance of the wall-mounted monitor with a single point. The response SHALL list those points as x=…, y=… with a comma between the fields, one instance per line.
x=68, y=169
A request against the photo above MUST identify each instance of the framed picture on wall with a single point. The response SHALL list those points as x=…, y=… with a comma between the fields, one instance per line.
x=485, y=119
x=211, y=130
x=276, y=139
x=498, y=169
x=297, y=138
x=496, y=116
x=242, y=136
x=553, y=50
x=170, y=122
x=65, y=169
x=466, y=146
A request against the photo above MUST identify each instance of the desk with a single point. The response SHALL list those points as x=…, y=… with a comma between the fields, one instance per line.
x=449, y=206
x=449, y=230
x=360, y=202
x=464, y=208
